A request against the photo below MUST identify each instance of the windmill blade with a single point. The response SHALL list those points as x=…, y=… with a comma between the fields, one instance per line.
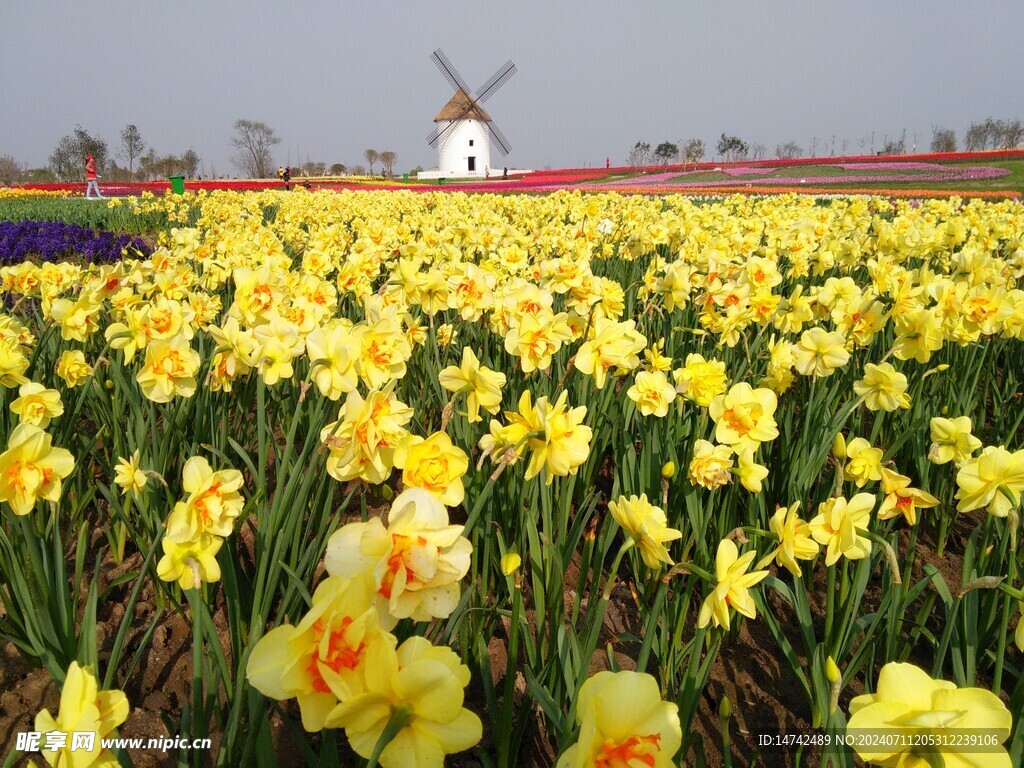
x=440, y=133
x=448, y=70
x=499, y=138
x=497, y=80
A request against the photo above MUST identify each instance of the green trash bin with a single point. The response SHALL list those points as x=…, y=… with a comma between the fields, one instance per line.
x=405, y=177
x=441, y=180
x=177, y=184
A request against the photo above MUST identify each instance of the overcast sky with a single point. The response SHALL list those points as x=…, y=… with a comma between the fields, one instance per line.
x=333, y=78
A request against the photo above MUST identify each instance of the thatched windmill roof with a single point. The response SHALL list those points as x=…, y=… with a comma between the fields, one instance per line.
x=460, y=107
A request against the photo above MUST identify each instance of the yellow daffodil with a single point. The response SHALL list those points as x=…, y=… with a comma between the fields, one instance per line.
x=169, y=370
x=863, y=463
x=129, y=475
x=191, y=563
x=278, y=343
x=711, y=464
x=795, y=539
x=994, y=480
x=37, y=405
x=611, y=347
x=919, y=334
x=332, y=362
x=83, y=708
x=13, y=363
x=511, y=562
x=840, y=525
x=434, y=464
x=700, y=380
x=744, y=417
x=901, y=499
x=819, y=353
x=536, y=338
x=362, y=442
x=482, y=385
x=652, y=393
x=72, y=368
x=751, y=473
x=321, y=661
x=419, y=687
x=558, y=439
x=952, y=440
x=384, y=351
x=32, y=469
x=623, y=723
x=78, y=319
x=212, y=505
x=908, y=702
x=655, y=359
x=883, y=388
x=416, y=562
x=732, y=589
x=647, y=526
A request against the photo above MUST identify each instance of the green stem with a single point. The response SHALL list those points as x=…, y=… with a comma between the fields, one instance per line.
x=400, y=717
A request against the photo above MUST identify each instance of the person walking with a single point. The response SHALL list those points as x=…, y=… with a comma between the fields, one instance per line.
x=287, y=178
x=91, y=178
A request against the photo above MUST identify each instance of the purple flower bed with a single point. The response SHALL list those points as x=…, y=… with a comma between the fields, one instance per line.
x=52, y=240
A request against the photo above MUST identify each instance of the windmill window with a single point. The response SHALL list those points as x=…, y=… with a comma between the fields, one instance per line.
x=471, y=142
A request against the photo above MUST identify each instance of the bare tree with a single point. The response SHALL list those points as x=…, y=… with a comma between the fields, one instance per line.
x=943, y=139
x=639, y=154
x=387, y=160
x=371, y=156
x=253, y=141
x=1013, y=134
x=757, y=151
x=694, y=150
x=132, y=146
x=358, y=170
x=788, y=151
x=974, y=138
x=893, y=147
x=337, y=169
x=10, y=170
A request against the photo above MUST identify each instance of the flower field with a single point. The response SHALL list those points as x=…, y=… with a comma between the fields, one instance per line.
x=406, y=478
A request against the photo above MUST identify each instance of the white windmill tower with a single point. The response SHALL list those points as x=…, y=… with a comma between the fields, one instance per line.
x=465, y=131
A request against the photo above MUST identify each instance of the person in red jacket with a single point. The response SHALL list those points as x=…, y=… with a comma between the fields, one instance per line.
x=91, y=178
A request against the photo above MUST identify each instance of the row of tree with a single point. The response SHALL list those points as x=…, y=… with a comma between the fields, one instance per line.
x=986, y=135
x=252, y=140
x=68, y=158
x=667, y=152
x=387, y=160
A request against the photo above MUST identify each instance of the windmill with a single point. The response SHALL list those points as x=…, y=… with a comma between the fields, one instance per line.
x=465, y=131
